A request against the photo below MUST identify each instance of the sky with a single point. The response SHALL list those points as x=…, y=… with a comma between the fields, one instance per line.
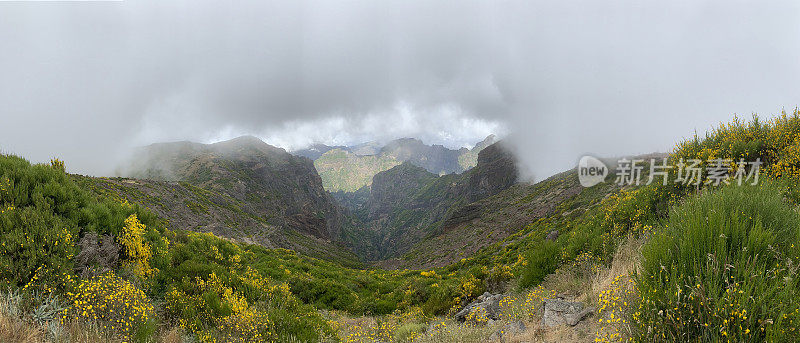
x=87, y=81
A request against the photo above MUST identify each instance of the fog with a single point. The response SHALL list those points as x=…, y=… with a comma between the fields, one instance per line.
x=87, y=81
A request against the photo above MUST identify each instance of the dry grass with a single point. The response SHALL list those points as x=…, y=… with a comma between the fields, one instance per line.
x=15, y=330
x=627, y=261
x=173, y=335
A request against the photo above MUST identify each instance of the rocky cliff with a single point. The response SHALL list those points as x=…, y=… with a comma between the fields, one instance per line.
x=271, y=183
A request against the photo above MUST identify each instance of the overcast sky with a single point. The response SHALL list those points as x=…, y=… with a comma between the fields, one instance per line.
x=85, y=81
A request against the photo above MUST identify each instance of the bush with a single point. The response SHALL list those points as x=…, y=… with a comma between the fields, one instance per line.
x=542, y=261
x=723, y=268
x=42, y=215
x=268, y=312
x=134, y=247
x=114, y=303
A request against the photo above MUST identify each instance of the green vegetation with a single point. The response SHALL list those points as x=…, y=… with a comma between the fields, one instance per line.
x=717, y=263
x=722, y=265
x=44, y=216
x=341, y=170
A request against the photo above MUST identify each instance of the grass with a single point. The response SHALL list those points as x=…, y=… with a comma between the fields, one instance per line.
x=724, y=267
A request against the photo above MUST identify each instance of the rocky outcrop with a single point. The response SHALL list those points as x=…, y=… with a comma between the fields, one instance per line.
x=496, y=170
x=487, y=303
x=561, y=312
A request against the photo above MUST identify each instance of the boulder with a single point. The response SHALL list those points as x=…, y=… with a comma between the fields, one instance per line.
x=561, y=312
x=489, y=302
x=513, y=328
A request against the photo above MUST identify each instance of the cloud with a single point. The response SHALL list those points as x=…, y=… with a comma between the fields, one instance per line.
x=87, y=81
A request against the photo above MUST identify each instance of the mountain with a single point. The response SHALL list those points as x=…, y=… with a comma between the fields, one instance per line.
x=469, y=159
x=349, y=169
x=342, y=170
x=408, y=203
x=315, y=151
x=243, y=189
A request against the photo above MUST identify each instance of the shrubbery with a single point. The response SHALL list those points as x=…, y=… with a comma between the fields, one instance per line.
x=114, y=303
x=541, y=261
x=724, y=267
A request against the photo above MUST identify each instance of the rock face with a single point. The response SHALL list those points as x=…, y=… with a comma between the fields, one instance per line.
x=490, y=303
x=496, y=170
x=434, y=158
x=561, y=312
x=408, y=203
x=395, y=188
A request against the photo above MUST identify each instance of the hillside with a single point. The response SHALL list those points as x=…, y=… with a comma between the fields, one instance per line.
x=407, y=203
x=350, y=169
x=657, y=262
x=243, y=189
x=498, y=219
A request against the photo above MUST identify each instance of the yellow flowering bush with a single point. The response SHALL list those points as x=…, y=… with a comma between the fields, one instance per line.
x=134, y=247
x=57, y=164
x=399, y=326
x=256, y=310
x=112, y=302
x=775, y=142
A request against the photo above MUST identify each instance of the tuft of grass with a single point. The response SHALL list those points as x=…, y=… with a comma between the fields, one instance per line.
x=541, y=262
x=724, y=267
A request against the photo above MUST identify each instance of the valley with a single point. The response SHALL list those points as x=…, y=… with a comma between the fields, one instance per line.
x=239, y=241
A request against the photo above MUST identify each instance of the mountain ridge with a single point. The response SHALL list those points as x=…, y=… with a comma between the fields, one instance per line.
x=349, y=169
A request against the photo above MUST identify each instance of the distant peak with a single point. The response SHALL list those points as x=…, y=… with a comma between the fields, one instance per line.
x=243, y=140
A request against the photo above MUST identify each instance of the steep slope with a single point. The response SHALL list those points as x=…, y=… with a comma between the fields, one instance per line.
x=408, y=203
x=243, y=189
x=342, y=170
x=507, y=216
x=349, y=169
x=469, y=159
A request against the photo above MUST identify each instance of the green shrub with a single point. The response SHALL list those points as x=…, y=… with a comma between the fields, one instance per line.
x=42, y=215
x=541, y=261
x=723, y=268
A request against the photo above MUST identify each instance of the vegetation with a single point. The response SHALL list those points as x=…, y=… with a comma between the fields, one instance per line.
x=661, y=262
x=723, y=267
x=342, y=170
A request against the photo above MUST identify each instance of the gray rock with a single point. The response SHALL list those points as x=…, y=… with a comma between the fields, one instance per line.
x=514, y=327
x=574, y=319
x=487, y=301
x=561, y=312
x=552, y=236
